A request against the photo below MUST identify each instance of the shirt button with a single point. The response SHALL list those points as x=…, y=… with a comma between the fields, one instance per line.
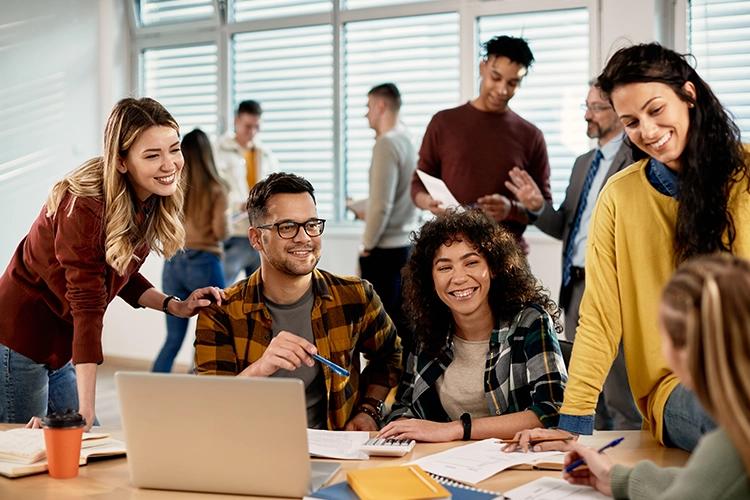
x=268, y=337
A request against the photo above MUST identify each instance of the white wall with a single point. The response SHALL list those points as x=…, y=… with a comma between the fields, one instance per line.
x=62, y=67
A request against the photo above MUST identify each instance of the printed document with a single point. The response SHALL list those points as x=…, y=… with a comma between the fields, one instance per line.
x=476, y=462
x=337, y=444
x=550, y=488
x=438, y=190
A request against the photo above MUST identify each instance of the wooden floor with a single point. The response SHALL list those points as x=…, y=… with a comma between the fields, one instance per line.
x=107, y=404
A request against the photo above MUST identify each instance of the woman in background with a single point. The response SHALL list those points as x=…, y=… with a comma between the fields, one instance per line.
x=200, y=264
x=485, y=361
x=86, y=246
x=704, y=320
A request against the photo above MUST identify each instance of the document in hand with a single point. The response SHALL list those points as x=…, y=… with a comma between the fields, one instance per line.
x=438, y=190
x=407, y=482
x=478, y=461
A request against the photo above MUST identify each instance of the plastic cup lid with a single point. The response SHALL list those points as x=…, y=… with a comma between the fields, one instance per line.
x=69, y=419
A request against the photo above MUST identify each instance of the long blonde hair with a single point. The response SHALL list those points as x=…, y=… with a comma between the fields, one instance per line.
x=98, y=178
x=709, y=298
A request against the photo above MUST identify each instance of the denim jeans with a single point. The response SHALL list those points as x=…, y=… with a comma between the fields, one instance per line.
x=685, y=420
x=30, y=389
x=184, y=273
x=239, y=254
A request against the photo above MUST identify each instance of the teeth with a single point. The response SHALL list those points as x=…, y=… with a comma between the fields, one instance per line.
x=166, y=180
x=662, y=141
x=463, y=293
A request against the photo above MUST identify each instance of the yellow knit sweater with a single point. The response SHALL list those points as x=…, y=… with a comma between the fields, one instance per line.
x=629, y=259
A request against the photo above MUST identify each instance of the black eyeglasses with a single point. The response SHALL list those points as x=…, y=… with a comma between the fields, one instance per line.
x=594, y=108
x=290, y=229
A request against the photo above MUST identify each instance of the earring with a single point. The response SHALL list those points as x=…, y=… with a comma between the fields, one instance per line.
x=691, y=105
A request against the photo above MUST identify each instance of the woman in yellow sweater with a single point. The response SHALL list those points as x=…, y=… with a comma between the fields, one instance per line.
x=686, y=195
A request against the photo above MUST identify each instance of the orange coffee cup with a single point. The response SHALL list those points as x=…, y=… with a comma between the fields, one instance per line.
x=63, y=433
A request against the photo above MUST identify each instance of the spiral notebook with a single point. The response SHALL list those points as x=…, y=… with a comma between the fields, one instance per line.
x=458, y=491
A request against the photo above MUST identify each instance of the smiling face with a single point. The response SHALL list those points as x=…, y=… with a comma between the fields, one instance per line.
x=501, y=77
x=655, y=119
x=601, y=118
x=297, y=256
x=461, y=277
x=154, y=162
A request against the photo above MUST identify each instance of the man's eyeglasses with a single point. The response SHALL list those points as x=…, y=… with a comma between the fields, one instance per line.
x=594, y=108
x=290, y=229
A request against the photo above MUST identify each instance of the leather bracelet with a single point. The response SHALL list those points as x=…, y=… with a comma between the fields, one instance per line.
x=166, y=303
x=370, y=413
x=466, y=421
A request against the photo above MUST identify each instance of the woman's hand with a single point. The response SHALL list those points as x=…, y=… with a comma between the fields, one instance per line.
x=423, y=430
x=598, y=474
x=202, y=297
x=526, y=440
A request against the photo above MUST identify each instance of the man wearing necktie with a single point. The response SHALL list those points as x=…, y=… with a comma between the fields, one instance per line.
x=570, y=223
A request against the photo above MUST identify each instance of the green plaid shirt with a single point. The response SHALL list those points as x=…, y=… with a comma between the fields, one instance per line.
x=347, y=319
x=524, y=370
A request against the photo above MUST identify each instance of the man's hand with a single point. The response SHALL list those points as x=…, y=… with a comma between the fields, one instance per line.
x=525, y=189
x=202, y=297
x=287, y=351
x=361, y=422
x=526, y=439
x=426, y=202
x=423, y=430
x=496, y=206
x=598, y=474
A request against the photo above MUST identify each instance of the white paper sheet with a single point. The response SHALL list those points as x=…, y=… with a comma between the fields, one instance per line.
x=337, y=444
x=438, y=190
x=476, y=462
x=550, y=488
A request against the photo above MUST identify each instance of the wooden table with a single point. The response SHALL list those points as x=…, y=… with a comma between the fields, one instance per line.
x=109, y=479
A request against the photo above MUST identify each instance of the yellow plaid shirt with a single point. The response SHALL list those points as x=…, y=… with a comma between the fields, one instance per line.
x=347, y=319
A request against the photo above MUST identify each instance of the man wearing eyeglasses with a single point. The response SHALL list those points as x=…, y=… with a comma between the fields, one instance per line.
x=273, y=322
x=570, y=223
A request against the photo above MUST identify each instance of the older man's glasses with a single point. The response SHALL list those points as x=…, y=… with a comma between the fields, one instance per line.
x=290, y=229
x=594, y=108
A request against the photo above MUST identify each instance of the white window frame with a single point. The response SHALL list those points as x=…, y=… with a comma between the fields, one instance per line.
x=219, y=31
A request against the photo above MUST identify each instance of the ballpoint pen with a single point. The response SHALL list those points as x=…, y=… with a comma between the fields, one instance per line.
x=334, y=367
x=570, y=468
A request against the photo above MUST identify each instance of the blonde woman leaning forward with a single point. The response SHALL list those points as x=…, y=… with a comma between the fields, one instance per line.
x=704, y=320
x=86, y=246
x=686, y=195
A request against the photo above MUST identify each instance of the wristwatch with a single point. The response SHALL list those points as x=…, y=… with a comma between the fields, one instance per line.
x=466, y=421
x=377, y=404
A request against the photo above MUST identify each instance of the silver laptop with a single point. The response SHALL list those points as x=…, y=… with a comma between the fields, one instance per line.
x=218, y=434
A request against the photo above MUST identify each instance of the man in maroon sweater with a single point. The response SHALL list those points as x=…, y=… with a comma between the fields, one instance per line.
x=473, y=147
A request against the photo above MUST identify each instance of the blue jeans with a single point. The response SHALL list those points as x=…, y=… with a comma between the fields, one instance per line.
x=239, y=254
x=685, y=420
x=30, y=389
x=184, y=273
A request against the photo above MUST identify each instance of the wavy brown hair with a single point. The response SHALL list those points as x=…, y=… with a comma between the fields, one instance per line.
x=512, y=288
x=713, y=158
x=706, y=310
x=98, y=178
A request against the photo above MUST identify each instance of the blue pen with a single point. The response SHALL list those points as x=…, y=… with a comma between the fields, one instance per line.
x=334, y=367
x=570, y=468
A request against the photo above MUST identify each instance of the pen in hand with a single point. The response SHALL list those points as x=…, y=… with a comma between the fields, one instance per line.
x=537, y=440
x=334, y=367
x=570, y=468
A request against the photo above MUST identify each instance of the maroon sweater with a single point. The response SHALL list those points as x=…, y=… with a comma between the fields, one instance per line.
x=472, y=151
x=58, y=285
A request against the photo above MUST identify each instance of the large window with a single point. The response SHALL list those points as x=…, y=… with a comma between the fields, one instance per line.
x=420, y=55
x=310, y=63
x=290, y=72
x=185, y=81
x=551, y=94
x=720, y=42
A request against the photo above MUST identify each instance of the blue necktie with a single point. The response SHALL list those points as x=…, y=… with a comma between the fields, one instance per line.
x=568, y=261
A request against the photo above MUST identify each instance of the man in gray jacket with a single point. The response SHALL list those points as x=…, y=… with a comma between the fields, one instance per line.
x=570, y=223
x=390, y=215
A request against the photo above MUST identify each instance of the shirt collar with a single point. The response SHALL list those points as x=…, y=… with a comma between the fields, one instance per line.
x=662, y=178
x=610, y=149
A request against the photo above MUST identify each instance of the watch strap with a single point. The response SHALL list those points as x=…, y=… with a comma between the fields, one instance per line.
x=166, y=303
x=466, y=421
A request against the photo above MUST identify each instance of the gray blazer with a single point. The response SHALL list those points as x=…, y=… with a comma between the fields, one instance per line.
x=558, y=223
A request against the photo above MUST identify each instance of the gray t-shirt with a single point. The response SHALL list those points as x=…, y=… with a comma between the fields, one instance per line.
x=295, y=318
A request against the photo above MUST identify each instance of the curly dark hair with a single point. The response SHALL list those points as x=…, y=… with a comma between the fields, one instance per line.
x=515, y=49
x=511, y=290
x=713, y=158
